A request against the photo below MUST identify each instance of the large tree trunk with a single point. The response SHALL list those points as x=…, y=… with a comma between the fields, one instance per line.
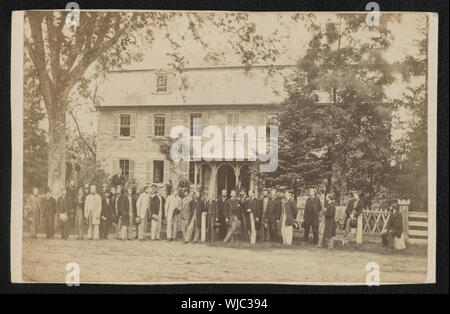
x=57, y=151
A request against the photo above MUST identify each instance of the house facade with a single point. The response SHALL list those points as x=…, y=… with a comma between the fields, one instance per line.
x=140, y=107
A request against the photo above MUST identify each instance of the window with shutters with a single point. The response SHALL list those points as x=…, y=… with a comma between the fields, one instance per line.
x=125, y=125
x=124, y=165
x=159, y=124
x=161, y=82
x=271, y=119
x=196, y=124
x=158, y=171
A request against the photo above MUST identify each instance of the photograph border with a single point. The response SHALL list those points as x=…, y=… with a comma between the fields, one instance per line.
x=434, y=188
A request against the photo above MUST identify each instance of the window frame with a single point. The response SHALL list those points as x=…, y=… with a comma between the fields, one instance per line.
x=162, y=88
x=155, y=125
x=125, y=172
x=122, y=127
x=191, y=126
x=154, y=162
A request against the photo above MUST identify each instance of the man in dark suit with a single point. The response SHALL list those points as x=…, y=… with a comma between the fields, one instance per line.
x=196, y=209
x=49, y=206
x=233, y=212
x=243, y=199
x=157, y=203
x=354, y=207
x=106, y=215
x=123, y=209
x=223, y=220
x=252, y=215
x=262, y=223
x=394, y=227
x=313, y=207
x=212, y=217
x=115, y=193
x=274, y=214
x=288, y=217
x=64, y=208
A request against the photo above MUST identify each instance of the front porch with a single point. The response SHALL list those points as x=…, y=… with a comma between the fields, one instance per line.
x=212, y=177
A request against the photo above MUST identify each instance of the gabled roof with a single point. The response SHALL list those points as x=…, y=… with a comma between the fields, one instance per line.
x=231, y=85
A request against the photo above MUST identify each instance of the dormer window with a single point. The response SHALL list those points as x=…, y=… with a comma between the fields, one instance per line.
x=161, y=82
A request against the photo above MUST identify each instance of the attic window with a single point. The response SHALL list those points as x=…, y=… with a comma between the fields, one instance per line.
x=161, y=83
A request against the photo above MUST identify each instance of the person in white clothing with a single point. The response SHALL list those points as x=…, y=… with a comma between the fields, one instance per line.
x=172, y=210
x=142, y=208
x=92, y=210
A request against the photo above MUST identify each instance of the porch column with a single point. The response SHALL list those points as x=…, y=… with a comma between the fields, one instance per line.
x=252, y=180
x=195, y=175
x=237, y=172
x=403, y=206
x=213, y=183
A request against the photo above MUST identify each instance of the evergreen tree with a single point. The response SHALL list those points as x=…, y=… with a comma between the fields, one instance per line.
x=336, y=119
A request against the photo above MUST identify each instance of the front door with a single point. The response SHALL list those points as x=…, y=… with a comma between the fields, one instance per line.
x=225, y=179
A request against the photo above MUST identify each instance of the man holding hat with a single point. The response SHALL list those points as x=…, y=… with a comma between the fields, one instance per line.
x=64, y=208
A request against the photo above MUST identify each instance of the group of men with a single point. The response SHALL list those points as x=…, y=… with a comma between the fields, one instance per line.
x=131, y=213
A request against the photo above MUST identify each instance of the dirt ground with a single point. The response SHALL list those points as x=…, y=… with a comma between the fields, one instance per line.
x=161, y=261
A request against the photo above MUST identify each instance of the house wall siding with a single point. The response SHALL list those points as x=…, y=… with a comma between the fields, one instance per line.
x=143, y=148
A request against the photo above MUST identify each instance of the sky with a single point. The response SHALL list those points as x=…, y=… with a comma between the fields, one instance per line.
x=293, y=37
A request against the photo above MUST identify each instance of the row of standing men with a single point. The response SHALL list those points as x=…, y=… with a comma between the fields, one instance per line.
x=120, y=211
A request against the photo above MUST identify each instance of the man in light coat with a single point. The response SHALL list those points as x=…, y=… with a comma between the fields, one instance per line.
x=172, y=208
x=185, y=213
x=142, y=209
x=92, y=211
x=35, y=205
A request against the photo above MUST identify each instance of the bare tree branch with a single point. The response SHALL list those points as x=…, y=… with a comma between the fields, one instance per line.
x=86, y=144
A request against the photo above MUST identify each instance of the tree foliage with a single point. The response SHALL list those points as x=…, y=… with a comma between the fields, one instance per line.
x=410, y=179
x=336, y=120
x=34, y=136
x=67, y=58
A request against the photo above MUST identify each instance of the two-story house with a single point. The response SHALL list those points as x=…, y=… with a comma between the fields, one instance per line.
x=140, y=107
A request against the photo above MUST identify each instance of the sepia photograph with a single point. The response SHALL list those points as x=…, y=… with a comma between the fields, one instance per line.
x=173, y=147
